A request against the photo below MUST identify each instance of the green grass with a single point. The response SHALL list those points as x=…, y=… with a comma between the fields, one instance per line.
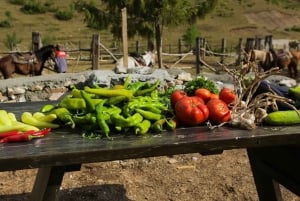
x=228, y=17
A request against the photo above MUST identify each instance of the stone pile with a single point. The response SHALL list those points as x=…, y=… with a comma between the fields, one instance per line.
x=52, y=87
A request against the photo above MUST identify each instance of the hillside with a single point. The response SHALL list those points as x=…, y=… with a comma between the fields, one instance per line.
x=231, y=20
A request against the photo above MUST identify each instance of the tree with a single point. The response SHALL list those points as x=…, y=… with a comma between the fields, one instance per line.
x=190, y=35
x=146, y=18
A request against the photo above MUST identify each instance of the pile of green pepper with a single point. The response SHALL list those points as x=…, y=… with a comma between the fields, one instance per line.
x=133, y=107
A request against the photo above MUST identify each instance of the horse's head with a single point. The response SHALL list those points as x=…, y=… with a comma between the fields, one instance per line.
x=149, y=58
x=46, y=52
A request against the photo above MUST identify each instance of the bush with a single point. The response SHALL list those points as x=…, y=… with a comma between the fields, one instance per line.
x=34, y=7
x=64, y=15
x=17, y=2
x=11, y=41
x=295, y=28
x=5, y=23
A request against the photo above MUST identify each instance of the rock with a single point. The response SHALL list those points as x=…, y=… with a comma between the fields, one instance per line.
x=184, y=76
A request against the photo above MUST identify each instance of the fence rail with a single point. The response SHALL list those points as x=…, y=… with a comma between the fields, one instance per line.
x=98, y=52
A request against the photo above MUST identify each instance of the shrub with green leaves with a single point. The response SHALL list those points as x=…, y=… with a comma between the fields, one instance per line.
x=34, y=7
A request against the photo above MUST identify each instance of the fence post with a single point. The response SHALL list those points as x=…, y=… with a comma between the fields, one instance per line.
x=240, y=51
x=270, y=41
x=137, y=44
x=36, y=41
x=203, y=44
x=223, y=50
x=179, y=47
x=95, y=51
x=249, y=44
x=257, y=44
x=197, y=52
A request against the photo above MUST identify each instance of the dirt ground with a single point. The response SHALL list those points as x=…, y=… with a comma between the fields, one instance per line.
x=189, y=177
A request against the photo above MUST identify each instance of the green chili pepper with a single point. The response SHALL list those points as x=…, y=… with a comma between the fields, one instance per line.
x=89, y=118
x=148, y=115
x=108, y=111
x=100, y=118
x=4, y=118
x=90, y=106
x=76, y=93
x=134, y=87
x=47, y=108
x=115, y=100
x=107, y=92
x=157, y=126
x=151, y=108
x=171, y=124
x=27, y=118
x=147, y=90
x=72, y=103
x=130, y=121
x=142, y=127
x=154, y=94
x=64, y=115
x=127, y=81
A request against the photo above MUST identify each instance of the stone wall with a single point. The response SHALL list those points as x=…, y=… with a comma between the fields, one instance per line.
x=52, y=87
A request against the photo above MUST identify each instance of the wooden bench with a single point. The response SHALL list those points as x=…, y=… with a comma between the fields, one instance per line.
x=274, y=153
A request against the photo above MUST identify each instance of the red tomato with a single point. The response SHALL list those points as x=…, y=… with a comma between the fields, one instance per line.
x=176, y=96
x=191, y=111
x=227, y=95
x=218, y=111
x=203, y=93
x=214, y=96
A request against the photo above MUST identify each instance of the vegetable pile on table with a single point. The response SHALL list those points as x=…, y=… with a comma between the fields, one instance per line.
x=143, y=108
x=12, y=130
x=132, y=107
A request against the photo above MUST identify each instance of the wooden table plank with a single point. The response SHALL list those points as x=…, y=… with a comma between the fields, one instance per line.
x=66, y=146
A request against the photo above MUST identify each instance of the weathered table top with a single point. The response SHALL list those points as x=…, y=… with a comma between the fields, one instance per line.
x=66, y=146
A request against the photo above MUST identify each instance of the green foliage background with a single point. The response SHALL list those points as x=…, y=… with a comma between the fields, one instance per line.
x=72, y=30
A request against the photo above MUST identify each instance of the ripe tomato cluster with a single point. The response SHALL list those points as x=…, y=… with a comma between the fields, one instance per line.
x=203, y=106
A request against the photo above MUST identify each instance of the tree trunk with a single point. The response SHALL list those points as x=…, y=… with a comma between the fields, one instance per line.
x=158, y=44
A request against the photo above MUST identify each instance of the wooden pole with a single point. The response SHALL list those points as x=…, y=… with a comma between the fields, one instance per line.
x=223, y=50
x=137, y=45
x=36, y=41
x=197, y=52
x=124, y=38
x=240, y=51
x=95, y=51
x=179, y=47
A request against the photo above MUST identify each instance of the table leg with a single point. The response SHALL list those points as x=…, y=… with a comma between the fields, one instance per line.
x=266, y=187
x=48, y=182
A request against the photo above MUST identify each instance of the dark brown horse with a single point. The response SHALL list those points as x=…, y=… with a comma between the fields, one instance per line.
x=287, y=59
x=26, y=63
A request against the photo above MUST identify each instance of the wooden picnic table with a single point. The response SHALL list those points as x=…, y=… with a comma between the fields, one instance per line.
x=273, y=152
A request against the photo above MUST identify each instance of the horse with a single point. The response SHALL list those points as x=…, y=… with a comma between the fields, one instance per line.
x=135, y=61
x=26, y=63
x=263, y=58
x=287, y=59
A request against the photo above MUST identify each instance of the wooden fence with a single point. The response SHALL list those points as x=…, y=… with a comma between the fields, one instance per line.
x=98, y=52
